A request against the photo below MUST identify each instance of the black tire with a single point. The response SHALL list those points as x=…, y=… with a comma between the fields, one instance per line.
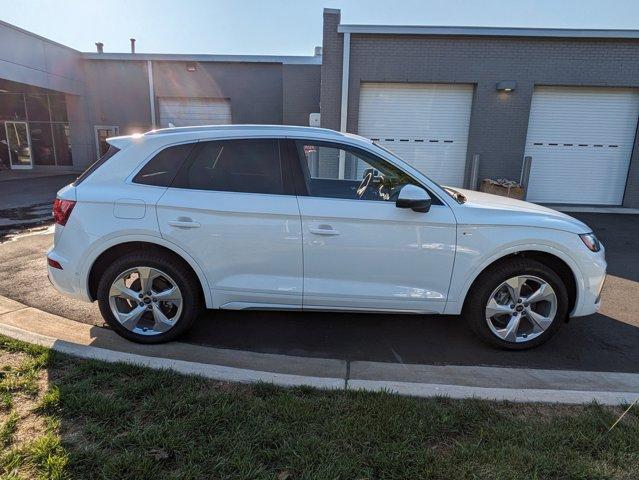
x=488, y=281
x=183, y=277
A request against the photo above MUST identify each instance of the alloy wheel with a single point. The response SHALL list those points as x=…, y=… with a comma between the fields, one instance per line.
x=145, y=300
x=521, y=308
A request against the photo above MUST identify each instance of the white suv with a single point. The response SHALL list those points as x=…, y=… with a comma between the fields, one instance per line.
x=295, y=218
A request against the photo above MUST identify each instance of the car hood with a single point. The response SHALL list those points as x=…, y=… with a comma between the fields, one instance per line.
x=486, y=209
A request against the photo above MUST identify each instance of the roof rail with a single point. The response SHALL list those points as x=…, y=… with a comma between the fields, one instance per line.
x=242, y=127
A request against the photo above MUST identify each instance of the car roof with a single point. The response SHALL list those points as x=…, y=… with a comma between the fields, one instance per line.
x=236, y=130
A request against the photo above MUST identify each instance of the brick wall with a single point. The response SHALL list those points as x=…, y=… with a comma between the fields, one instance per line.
x=331, y=83
x=301, y=93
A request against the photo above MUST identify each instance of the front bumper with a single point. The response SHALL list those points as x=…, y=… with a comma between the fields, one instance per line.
x=594, y=276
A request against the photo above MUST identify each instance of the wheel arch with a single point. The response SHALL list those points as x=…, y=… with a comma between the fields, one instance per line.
x=114, y=250
x=563, y=267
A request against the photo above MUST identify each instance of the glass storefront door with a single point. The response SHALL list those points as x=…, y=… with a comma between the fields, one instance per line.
x=19, y=144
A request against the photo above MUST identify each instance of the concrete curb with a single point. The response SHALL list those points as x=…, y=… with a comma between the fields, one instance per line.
x=31, y=325
x=216, y=372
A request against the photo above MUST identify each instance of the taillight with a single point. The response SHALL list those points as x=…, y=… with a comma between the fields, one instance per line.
x=62, y=210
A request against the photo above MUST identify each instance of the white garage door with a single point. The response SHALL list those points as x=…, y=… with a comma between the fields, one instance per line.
x=185, y=112
x=580, y=140
x=425, y=124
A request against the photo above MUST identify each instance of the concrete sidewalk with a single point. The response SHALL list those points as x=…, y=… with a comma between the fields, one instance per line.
x=10, y=175
x=492, y=383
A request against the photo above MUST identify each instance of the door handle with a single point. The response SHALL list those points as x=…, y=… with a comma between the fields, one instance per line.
x=184, y=223
x=323, y=230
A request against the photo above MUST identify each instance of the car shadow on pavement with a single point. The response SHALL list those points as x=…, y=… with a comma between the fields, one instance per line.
x=415, y=339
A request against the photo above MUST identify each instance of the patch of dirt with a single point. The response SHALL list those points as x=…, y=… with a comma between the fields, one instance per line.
x=30, y=425
x=11, y=360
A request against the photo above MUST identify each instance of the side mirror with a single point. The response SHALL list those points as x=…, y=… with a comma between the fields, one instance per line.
x=413, y=197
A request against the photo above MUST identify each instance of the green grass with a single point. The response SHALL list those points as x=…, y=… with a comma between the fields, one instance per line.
x=124, y=422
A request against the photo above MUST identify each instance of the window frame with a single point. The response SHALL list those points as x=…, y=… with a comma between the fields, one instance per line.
x=301, y=172
x=285, y=166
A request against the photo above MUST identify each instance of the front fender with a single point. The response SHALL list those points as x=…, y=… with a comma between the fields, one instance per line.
x=479, y=247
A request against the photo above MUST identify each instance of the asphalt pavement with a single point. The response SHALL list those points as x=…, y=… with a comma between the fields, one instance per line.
x=27, y=201
x=607, y=341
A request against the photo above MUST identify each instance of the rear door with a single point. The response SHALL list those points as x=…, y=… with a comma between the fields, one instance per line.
x=232, y=208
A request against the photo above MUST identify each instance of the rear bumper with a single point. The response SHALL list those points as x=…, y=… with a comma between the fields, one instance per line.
x=65, y=281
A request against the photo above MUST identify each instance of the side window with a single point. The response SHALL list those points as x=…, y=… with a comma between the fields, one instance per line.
x=336, y=172
x=161, y=169
x=251, y=166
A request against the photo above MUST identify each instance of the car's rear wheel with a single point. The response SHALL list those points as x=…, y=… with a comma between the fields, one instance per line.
x=518, y=304
x=148, y=298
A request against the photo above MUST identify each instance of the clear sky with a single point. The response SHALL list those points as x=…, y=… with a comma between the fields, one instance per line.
x=282, y=27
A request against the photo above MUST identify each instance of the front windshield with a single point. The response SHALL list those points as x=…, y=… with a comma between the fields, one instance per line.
x=451, y=192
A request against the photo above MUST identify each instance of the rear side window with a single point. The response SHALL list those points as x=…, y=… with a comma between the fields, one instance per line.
x=101, y=161
x=161, y=169
x=251, y=166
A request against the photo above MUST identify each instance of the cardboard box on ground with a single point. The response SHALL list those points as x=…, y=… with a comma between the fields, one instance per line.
x=503, y=187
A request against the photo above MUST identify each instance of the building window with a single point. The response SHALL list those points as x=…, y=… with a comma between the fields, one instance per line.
x=38, y=108
x=102, y=132
x=58, y=106
x=46, y=126
x=12, y=107
x=42, y=149
x=62, y=143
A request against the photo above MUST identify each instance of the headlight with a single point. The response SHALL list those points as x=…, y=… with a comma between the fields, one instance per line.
x=590, y=241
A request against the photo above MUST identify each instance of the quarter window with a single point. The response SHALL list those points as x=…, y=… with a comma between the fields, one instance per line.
x=251, y=166
x=161, y=169
x=335, y=172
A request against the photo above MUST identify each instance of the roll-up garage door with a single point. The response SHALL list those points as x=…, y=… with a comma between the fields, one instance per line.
x=581, y=140
x=185, y=112
x=425, y=124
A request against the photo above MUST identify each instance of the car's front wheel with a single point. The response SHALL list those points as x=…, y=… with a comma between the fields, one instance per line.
x=148, y=298
x=518, y=304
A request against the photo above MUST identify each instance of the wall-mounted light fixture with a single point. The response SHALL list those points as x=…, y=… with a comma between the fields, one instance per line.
x=506, y=86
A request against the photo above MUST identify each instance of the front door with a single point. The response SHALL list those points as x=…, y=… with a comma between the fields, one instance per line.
x=232, y=209
x=360, y=250
x=19, y=143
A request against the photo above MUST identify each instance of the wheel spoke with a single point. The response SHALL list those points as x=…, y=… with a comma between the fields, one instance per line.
x=540, y=322
x=172, y=295
x=147, y=274
x=130, y=319
x=514, y=287
x=493, y=308
x=162, y=323
x=543, y=293
x=510, y=332
x=119, y=289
